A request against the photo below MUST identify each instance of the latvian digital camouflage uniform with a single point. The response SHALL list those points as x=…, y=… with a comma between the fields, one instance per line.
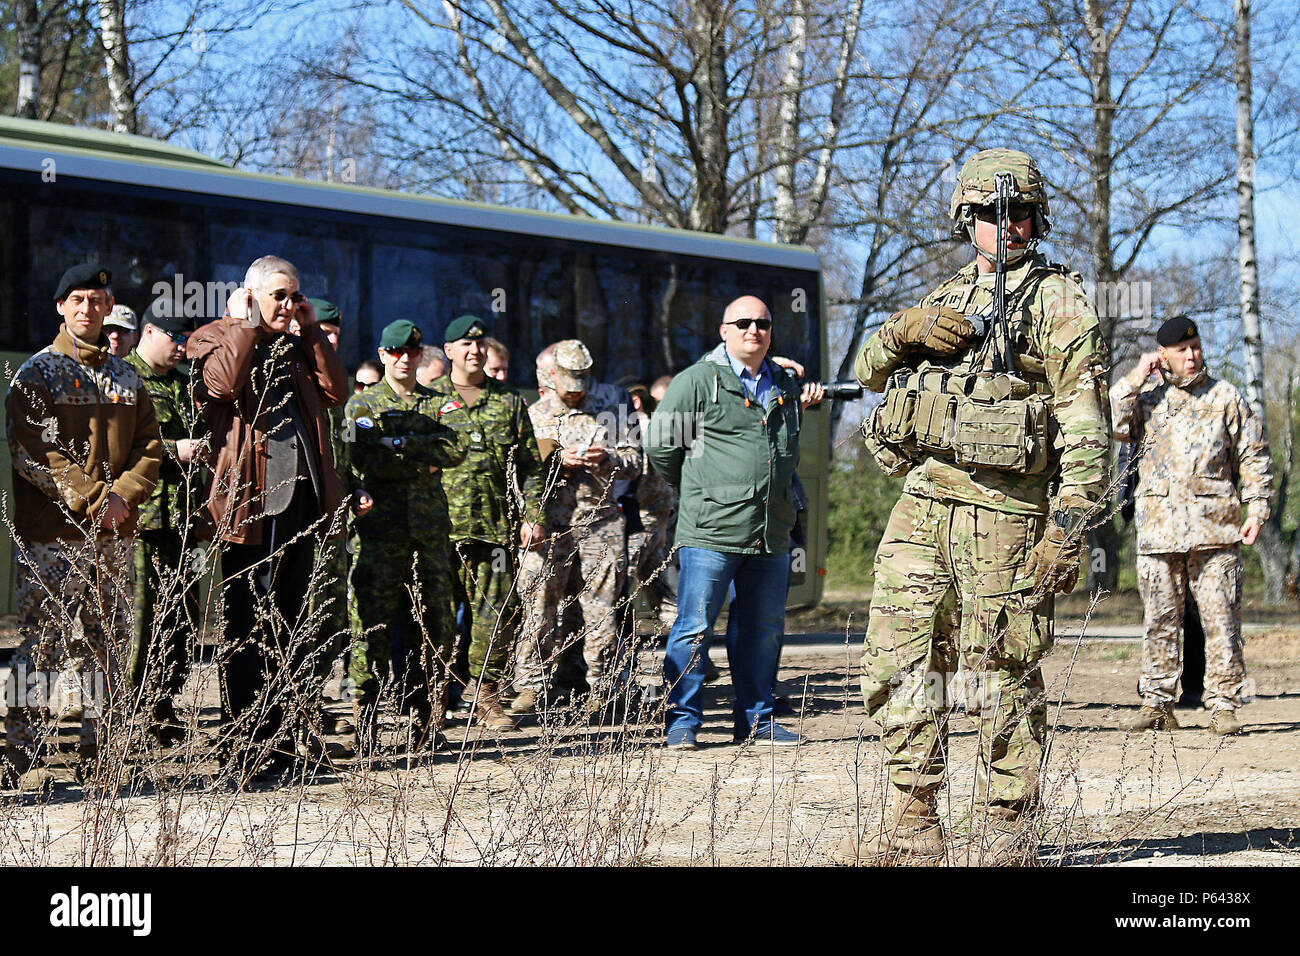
x=950, y=583
x=485, y=495
x=647, y=549
x=407, y=528
x=585, y=537
x=166, y=583
x=80, y=426
x=1193, y=442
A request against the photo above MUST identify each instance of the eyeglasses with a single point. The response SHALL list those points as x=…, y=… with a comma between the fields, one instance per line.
x=411, y=351
x=1016, y=212
x=279, y=295
x=177, y=338
x=764, y=325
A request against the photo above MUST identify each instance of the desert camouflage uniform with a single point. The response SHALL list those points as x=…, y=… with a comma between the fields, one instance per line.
x=408, y=526
x=585, y=536
x=1194, y=441
x=949, y=579
x=485, y=495
x=74, y=593
x=163, y=579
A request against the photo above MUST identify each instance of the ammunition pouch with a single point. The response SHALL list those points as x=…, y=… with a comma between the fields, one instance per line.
x=975, y=420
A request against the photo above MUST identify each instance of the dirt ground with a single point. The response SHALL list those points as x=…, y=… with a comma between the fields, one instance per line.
x=569, y=794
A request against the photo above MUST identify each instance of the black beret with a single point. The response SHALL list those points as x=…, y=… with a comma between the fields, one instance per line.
x=88, y=275
x=1178, y=329
x=169, y=315
x=465, y=327
x=325, y=311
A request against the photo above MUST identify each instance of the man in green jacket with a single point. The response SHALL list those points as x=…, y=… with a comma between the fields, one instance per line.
x=727, y=437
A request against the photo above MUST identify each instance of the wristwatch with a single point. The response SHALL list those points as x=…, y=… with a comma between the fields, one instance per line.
x=1071, y=518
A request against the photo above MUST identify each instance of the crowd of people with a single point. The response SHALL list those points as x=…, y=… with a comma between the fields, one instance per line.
x=453, y=541
x=456, y=544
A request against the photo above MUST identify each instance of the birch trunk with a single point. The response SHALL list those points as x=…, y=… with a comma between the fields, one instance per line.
x=117, y=63
x=29, y=59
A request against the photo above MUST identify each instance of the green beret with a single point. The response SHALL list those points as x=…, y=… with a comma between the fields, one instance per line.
x=400, y=334
x=1178, y=329
x=325, y=311
x=88, y=275
x=465, y=327
x=169, y=315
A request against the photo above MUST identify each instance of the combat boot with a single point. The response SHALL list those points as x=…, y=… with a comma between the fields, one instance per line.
x=426, y=729
x=487, y=707
x=1224, y=722
x=1151, y=718
x=1000, y=836
x=20, y=772
x=525, y=703
x=911, y=833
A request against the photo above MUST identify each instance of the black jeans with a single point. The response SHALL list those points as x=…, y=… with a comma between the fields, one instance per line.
x=268, y=670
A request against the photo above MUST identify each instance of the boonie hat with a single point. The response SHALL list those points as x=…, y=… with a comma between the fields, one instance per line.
x=122, y=317
x=572, y=364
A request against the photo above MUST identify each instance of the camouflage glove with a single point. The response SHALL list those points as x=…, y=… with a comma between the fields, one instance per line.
x=1053, y=565
x=936, y=328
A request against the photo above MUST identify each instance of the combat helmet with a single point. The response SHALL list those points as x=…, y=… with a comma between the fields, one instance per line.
x=975, y=187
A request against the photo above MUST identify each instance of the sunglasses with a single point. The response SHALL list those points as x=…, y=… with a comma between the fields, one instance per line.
x=178, y=338
x=408, y=350
x=1016, y=212
x=279, y=295
x=764, y=325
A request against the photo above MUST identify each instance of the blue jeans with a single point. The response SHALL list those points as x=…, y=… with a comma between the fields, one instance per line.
x=753, y=645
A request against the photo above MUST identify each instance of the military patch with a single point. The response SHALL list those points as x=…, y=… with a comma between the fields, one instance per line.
x=451, y=407
x=364, y=422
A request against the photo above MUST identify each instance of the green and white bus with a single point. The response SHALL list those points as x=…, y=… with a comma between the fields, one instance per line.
x=647, y=301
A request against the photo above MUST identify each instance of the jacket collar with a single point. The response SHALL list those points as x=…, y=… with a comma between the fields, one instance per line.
x=82, y=352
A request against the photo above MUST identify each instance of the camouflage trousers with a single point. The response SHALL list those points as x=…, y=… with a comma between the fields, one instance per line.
x=335, y=604
x=647, y=552
x=485, y=583
x=592, y=557
x=1214, y=575
x=75, y=624
x=950, y=592
x=395, y=577
x=166, y=615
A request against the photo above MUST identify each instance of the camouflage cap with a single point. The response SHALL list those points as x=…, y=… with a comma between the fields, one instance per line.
x=122, y=317
x=572, y=364
x=400, y=334
x=976, y=186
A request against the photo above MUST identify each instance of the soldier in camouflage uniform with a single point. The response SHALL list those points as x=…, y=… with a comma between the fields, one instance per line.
x=1195, y=434
x=399, y=436
x=485, y=496
x=85, y=451
x=583, y=432
x=971, y=556
x=166, y=587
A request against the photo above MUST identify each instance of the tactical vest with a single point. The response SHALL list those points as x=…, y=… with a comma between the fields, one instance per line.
x=972, y=417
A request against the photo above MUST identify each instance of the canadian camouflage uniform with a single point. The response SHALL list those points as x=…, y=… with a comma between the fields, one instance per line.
x=401, y=544
x=950, y=583
x=166, y=585
x=78, y=429
x=1194, y=440
x=334, y=599
x=485, y=495
x=585, y=537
